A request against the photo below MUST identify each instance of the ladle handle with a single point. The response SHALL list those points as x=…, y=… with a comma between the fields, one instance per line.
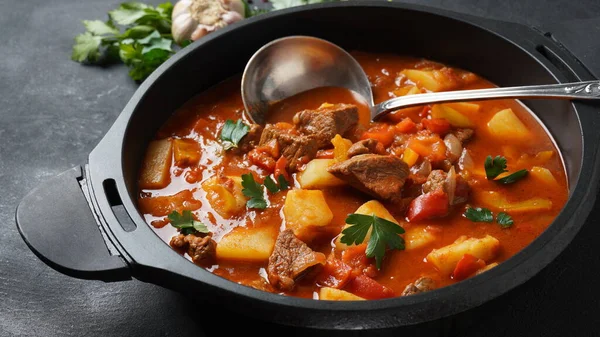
x=574, y=90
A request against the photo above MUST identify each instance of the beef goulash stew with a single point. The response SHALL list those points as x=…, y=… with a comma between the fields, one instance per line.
x=322, y=203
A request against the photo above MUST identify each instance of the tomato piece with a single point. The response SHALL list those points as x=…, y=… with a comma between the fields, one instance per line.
x=335, y=273
x=383, y=133
x=436, y=125
x=368, y=288
x=429, y=205
x=467, y=266
x=355, y=257
x=280, y=168
x=262, y=159
x=406, y=126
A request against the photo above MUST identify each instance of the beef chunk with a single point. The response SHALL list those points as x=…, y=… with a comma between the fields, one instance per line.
x=422, y=284
x=251, y=139
x=381, y=176
x=291, y=258
x=463, y=135
x=435, y=181
x=365, y=146
x=296, y=148
x=327, y=121
x=201, y=248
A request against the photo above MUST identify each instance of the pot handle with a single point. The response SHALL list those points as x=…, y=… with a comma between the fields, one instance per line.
x=59, y=226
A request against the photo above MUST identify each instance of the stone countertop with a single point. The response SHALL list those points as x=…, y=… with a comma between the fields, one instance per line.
x=53, y=111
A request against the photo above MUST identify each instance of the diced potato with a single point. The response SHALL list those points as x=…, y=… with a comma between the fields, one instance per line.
x=424, y=78
x=486, y=268
x=453, y=117
x=333, y=294
x=544, y=175
x=156, y=167
x=407, y=90
x=186, y=152
x=498, y=201
x=315, y=175
x=417, y=237
x=304, y=210
x=225, y=195
x=340, y=148
x=446, y=258
x=464, y=107
x=506, y=125
x=247, y=244
x=371, y=207
x=410, y=157
x=540, y=158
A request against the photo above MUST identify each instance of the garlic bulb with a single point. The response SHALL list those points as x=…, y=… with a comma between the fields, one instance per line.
x=193, y=19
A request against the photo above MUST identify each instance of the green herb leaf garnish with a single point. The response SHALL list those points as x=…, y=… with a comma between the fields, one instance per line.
x=232, y=132
x=478, y=214
x=272, y=186
x=384, y=234
x=511, y=178
x=494, y=166
x=254, y=191
x=504, y=220
x=186, y=223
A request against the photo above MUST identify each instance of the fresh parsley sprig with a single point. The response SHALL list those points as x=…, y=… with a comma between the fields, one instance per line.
x=384, y=234
x=494, y=166
x=254, y=190
x=136, y=34
x=233, y=132
x=186, y=223
x=480, y=214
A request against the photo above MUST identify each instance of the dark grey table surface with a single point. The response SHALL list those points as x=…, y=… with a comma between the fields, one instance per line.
x=53, y=111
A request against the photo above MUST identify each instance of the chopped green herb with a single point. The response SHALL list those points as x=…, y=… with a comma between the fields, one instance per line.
x=186, y=223
x=233, y=132
x=511, y=178
x=254, y=191
x=384, y=234
x=478, y=214
x=504, y=220
x=494, y=166
x=271, y=185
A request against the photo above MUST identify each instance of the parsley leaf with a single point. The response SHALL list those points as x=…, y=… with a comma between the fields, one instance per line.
x=511, y=178
x=271, y=185
x=232, y=132
x=86, y=48
x=478, y=214
x=254, y=191
x=504, y=220
x=384, y=234
x=494, y=166
x=186, y=223
x=97, y=27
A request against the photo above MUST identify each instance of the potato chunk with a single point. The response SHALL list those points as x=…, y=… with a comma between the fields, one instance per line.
x=247, y=244
x=453, y=117
x=316, y=176
x=506, y=125
x=304, y=210
x=333, y=294
x=371, y=207
x=156, y=167
x=186, y=152
x=225, y=195
x=430, y=80
x=446, y=258
x=498, y=201
x=417, y=237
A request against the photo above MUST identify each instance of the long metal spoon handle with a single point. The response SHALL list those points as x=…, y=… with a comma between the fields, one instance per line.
x=575, y=90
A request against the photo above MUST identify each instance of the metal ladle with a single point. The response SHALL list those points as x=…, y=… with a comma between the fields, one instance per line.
x=290, y=65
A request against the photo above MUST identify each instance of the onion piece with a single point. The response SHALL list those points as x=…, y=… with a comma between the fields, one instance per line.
x=450, y=185
x=465, y=162
x=453, y=147
x=422, y=169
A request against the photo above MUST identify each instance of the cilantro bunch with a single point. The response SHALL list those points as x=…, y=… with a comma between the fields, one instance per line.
x=136, y=34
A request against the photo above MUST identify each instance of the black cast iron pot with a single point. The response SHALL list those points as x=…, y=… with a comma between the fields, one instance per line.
x=105, y=237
